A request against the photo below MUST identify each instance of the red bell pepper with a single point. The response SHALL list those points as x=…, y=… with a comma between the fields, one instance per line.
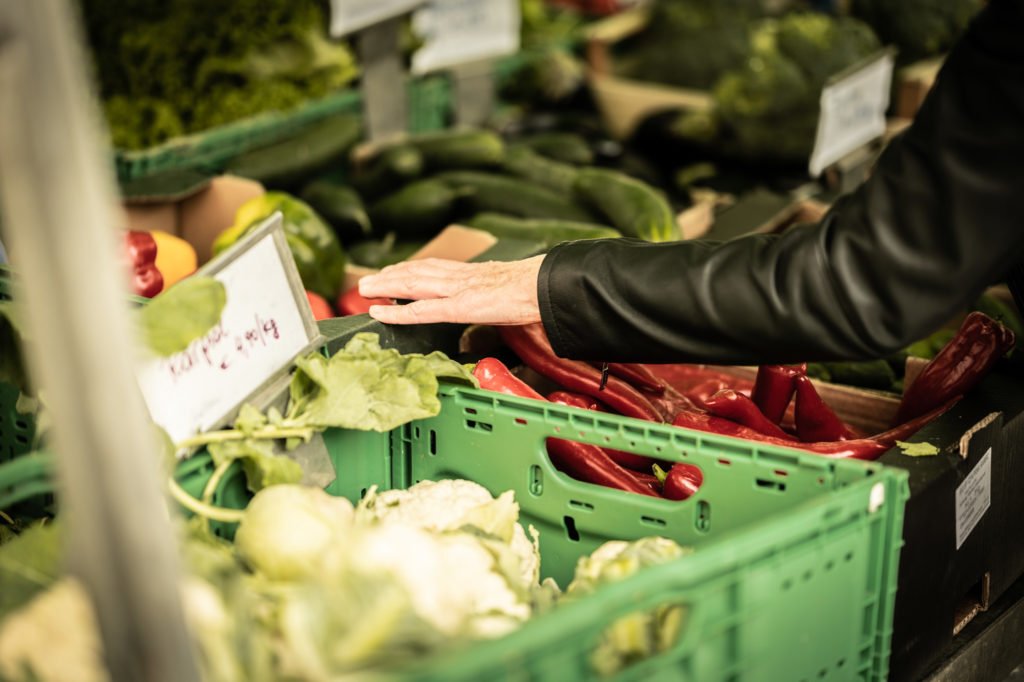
x=319, y=305
x=680, y=482
x=735, y=406
x=774, y=388
x=958, y=367
x=139, y=249
x=815, y=420
x=531, y=344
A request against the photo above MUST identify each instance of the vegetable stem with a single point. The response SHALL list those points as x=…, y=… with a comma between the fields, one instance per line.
x=200, y=508
x=267, y=432
x=211, y=485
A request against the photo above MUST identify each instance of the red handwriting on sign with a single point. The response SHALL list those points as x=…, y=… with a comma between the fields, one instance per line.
x=222, y=349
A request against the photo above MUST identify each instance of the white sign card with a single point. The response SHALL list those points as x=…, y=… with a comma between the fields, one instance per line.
x=973, y=498
x=462, y=31
x=266, y=323
x=349, y=16
x=852, y=111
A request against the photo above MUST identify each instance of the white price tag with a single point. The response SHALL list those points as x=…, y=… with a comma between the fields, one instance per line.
x=973, y=497
x=462, y=31
x=349, y=16
x=265, y=324
x=852, y=112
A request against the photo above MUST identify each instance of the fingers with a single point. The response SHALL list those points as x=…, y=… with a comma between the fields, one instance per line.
x=419, y=312
x=407, y=286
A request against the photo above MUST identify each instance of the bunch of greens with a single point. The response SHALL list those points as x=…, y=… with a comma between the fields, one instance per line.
x=180, y=66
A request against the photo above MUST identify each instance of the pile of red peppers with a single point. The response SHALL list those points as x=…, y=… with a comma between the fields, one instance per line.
x=781, y=407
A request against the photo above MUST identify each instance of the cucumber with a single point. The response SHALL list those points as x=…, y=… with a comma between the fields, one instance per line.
x=549, y=232
x=290, y=163
x=501, y=194
x=455, y=149
x=418, y=210
x=388, y=171
x=632, y=206
x=564, y=147
x=340, y=206
x=387, y=251
x=524, y=163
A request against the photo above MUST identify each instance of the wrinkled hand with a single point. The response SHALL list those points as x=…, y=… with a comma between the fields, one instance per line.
x=451, y=291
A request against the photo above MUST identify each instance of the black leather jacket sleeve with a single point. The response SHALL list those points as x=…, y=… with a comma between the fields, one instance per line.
x=941, y=217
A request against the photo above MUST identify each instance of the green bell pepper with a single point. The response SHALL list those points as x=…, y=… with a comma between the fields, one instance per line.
x=318, y=254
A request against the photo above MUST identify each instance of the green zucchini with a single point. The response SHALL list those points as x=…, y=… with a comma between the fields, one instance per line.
x=386, y=251
x=456, y=149
x=290, y=163
x=549, y=232
x=564, y=147
x=501, y=194
x=388, y=171
x=524, y=163
x=340, y=206
x=632, y=206
x=418, y=210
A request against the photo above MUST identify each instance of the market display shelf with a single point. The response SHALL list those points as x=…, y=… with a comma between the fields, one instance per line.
x=207, y=151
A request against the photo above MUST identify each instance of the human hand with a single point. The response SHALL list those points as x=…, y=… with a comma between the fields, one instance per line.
x=451, y=291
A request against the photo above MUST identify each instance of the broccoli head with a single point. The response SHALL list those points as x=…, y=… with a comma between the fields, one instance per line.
x=919, y=28
x=769, y=106
x=139, y=122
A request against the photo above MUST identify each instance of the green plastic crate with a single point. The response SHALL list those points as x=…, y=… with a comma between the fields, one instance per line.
x=794, y=573
x=208, y=150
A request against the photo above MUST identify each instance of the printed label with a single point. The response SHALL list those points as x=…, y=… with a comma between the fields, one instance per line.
x=349, y=16
x=973, y=498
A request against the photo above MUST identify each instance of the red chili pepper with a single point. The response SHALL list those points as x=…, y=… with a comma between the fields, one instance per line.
x=531, y=344
x=774, y=388
x=863, y=448
x=351, y=302
x=620, y=457
x=649, y=480
x=685, y=377
x=637, y=376
x=493, y=375
x=575, y=400
x=140, y=250
x=588, y=463
x=958, y=367
x=741, y=409
x=680, y=482
x=582, y=461
x=704, y=390
x=912, y=426
x=319, y=306
x=815, y=420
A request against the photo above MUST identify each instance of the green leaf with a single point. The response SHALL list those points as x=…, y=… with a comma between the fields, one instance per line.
x=261, y=465
x=367, y=387
x=29, y=564
x=182, y=314
x=917, y=449
x=249, y=419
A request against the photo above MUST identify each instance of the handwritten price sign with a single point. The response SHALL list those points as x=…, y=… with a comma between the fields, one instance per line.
x=266, y=322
